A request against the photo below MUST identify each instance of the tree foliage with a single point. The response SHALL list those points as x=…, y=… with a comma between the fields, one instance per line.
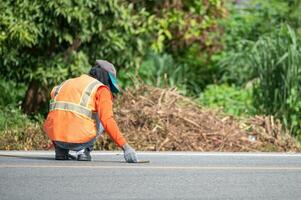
x=246, y=22
x=44, y=42
x=49, y=40
x=189, y=32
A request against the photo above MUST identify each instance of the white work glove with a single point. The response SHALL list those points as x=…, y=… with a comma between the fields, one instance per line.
x=130, y=154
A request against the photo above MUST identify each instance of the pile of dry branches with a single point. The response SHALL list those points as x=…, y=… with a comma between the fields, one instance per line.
x=163, y=120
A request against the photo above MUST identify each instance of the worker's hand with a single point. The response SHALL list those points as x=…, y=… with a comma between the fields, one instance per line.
x=130, y=154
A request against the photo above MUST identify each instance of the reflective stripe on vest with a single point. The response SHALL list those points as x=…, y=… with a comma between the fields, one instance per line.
x=61, y=105
x=87, y=93
x=82, y=107
x=57, y=90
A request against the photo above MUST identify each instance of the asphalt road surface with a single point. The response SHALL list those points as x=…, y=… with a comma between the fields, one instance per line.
x=180, y=175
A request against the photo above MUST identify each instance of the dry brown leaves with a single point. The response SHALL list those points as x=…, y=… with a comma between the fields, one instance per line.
x=31, y=137
x=162, y=120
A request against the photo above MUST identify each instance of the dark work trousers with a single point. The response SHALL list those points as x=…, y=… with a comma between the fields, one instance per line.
x=80, y=146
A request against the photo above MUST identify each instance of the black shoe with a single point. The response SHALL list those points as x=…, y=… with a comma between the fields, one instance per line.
x=61, y=154
x=85, y=156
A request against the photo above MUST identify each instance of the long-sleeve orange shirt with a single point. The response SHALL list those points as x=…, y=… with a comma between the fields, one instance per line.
x=104, y=106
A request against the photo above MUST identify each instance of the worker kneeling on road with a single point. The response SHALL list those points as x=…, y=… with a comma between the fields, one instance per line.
x=81, y=109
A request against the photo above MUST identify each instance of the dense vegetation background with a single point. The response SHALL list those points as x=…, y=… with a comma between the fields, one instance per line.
x=243, y=56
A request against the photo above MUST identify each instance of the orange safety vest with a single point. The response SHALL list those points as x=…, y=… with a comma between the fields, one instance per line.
x=72, y=113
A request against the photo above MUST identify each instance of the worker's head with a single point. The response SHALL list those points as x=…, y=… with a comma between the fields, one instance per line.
x=105, y=72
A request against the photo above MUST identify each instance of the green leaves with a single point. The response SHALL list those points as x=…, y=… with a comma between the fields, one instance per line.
x=231, y=99
x=262, y=51
x=48, y=41
x=276, y=59
x=51, y=40
x=179, y=27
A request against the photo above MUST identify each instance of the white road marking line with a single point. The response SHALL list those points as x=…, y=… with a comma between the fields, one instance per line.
x=154, y=167
x=143, y=153
x=208, y=154
x=157, y=154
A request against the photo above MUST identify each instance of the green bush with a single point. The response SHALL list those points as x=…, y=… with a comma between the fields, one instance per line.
x=12, y=118
x=277, y=60
x=233, y=100
x=159, y=70
x=245, y=24
x=11, y=93
x=162, y=71
x=183, y=37
x=190, y=75
x=274, y=61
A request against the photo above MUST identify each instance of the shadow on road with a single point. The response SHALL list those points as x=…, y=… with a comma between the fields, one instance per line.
x=27, y=157
x=51, y=158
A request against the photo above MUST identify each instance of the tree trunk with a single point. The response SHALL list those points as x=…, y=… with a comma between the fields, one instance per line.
x=35, y=98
